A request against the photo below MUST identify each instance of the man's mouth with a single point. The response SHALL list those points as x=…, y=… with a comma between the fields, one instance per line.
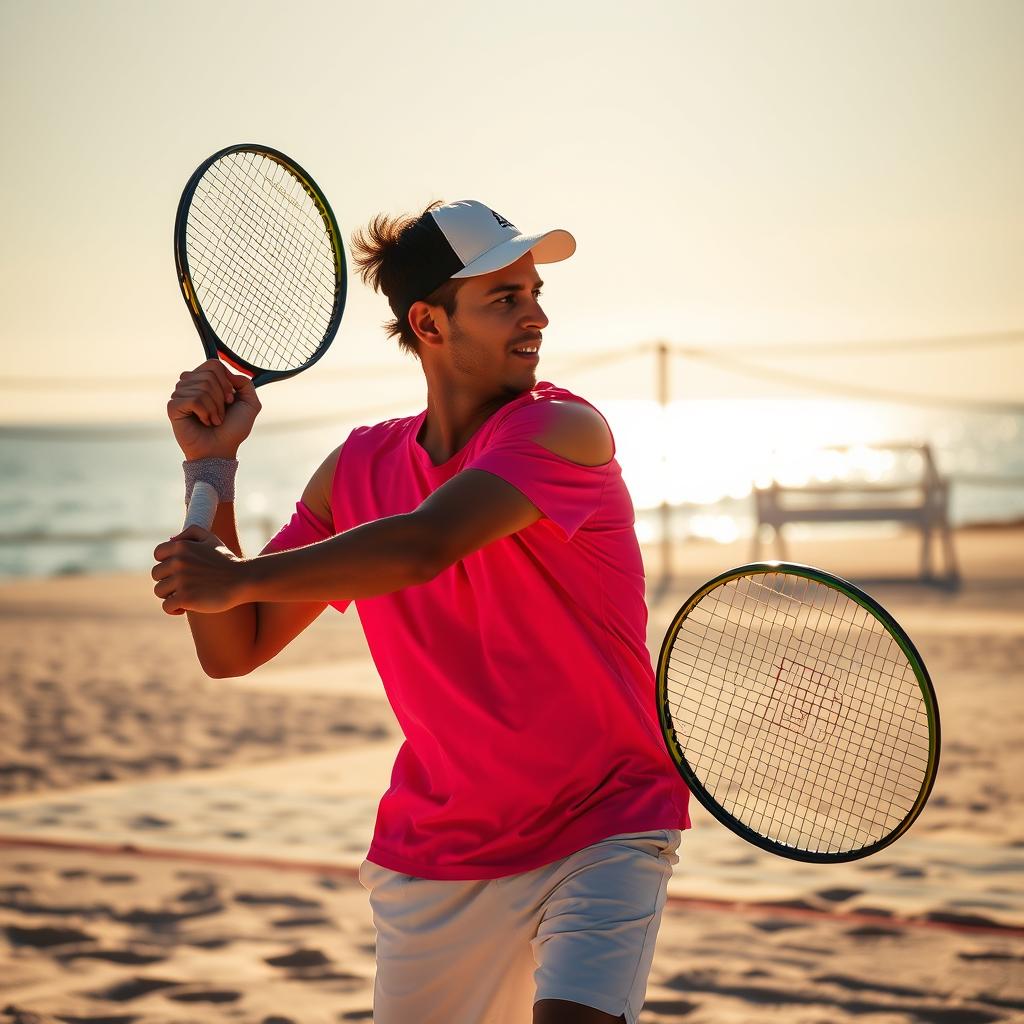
x=531, y=352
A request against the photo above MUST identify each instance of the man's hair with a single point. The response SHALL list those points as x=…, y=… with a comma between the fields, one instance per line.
x=389, y=250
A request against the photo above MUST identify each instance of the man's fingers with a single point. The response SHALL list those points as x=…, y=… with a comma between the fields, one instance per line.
x=173, y=548
x=214, y=372
x=162, y=552
x=211, y=379
x=219, y=372
x=224, y=380
x=245, y=389
x=205, y=406
x=193, y=533
x=189, y=400
x=207, y=400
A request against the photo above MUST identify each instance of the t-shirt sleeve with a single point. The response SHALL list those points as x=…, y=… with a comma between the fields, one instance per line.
x=303, y=528
x=565, y=492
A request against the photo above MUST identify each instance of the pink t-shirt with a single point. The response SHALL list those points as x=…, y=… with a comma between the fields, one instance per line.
x=520, y=675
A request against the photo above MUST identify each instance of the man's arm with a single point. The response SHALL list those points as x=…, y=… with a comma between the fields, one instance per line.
x=240, y=639
x=212, y=412
x=471, y=510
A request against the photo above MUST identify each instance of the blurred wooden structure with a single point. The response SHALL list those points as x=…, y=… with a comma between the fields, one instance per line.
x=922, y=504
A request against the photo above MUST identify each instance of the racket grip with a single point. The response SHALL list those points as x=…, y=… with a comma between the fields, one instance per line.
x=202, y=507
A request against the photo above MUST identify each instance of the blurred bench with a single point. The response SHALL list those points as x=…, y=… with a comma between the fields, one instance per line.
x=921, y=503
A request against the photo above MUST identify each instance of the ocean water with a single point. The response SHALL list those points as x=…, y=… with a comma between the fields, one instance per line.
x=100, y=498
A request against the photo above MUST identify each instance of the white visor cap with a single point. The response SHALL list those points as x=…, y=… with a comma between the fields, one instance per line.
x=485, y=241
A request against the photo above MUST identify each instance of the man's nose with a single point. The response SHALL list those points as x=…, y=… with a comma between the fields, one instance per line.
x=535, y=315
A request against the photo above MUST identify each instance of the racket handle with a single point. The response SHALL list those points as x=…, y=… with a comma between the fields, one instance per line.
x=202, y=507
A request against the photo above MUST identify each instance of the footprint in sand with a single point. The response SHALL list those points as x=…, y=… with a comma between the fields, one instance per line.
x=144, y=821
x=837, y=895
x=208, y=996
x=973, y=920
x=46, y=937
x=126, y=957
x=898, y=870
x=775, y=925
x=675, y=1007
x=993, y=955
x=20, y=899
x=928, y=1012
x=870, y=931
x=15, y=1015
x=206, y=890
x=163, y=918
x=301, y=958
x=134, y=988
x=301, y=922
x=257, y=899
x=313, y=965
x=858, y=985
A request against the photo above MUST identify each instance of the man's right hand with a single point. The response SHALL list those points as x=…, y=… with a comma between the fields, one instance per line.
x=212, y=411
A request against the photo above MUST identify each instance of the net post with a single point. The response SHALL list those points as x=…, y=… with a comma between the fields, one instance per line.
x=662, y=387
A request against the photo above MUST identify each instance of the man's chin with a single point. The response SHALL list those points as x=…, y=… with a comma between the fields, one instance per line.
x=526, y=380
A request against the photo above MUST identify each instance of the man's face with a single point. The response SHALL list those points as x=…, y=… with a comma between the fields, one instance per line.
x=495, y=334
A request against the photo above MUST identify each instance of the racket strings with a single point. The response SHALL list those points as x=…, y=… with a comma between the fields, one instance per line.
x=306, y=233
x=262, y=261
x=799, y=775
x=797, y=778
x=223, y=265
x=244, y=316
x=875, y=785
x=798, y=712
x=278, y=324
x=292, y=231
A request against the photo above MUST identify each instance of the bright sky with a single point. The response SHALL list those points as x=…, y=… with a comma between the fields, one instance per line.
x=733, y=172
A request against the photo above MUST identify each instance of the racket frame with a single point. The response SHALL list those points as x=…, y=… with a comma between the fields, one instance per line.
x=213, y=346
x=898, y=634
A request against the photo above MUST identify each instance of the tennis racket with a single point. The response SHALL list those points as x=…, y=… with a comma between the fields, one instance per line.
x=261, y=268
x=798, y=712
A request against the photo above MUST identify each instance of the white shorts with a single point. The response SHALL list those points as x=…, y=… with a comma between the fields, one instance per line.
x=582, y=928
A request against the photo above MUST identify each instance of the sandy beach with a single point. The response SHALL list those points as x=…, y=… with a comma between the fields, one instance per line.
x=174, y=848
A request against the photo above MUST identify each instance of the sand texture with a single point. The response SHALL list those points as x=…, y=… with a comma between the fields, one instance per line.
x=179, y=849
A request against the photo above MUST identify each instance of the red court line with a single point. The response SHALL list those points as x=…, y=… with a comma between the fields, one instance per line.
x=340, y=870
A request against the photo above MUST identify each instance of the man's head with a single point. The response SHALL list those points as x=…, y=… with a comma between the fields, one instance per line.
x=424, y=261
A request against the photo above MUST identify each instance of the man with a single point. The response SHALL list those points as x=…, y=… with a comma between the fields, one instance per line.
x=521, y=854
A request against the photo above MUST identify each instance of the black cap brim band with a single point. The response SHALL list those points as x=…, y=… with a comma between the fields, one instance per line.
x=437, y=262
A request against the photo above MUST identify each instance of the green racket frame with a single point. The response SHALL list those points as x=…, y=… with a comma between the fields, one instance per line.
x=212, y=344
x=675, y=747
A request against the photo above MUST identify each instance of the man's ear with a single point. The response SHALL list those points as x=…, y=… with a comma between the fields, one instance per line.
x=427, y=323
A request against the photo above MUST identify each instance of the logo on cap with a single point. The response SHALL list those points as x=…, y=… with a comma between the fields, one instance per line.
x=504, y=223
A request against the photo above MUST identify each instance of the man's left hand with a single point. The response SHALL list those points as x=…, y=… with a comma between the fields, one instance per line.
x=196, y=572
